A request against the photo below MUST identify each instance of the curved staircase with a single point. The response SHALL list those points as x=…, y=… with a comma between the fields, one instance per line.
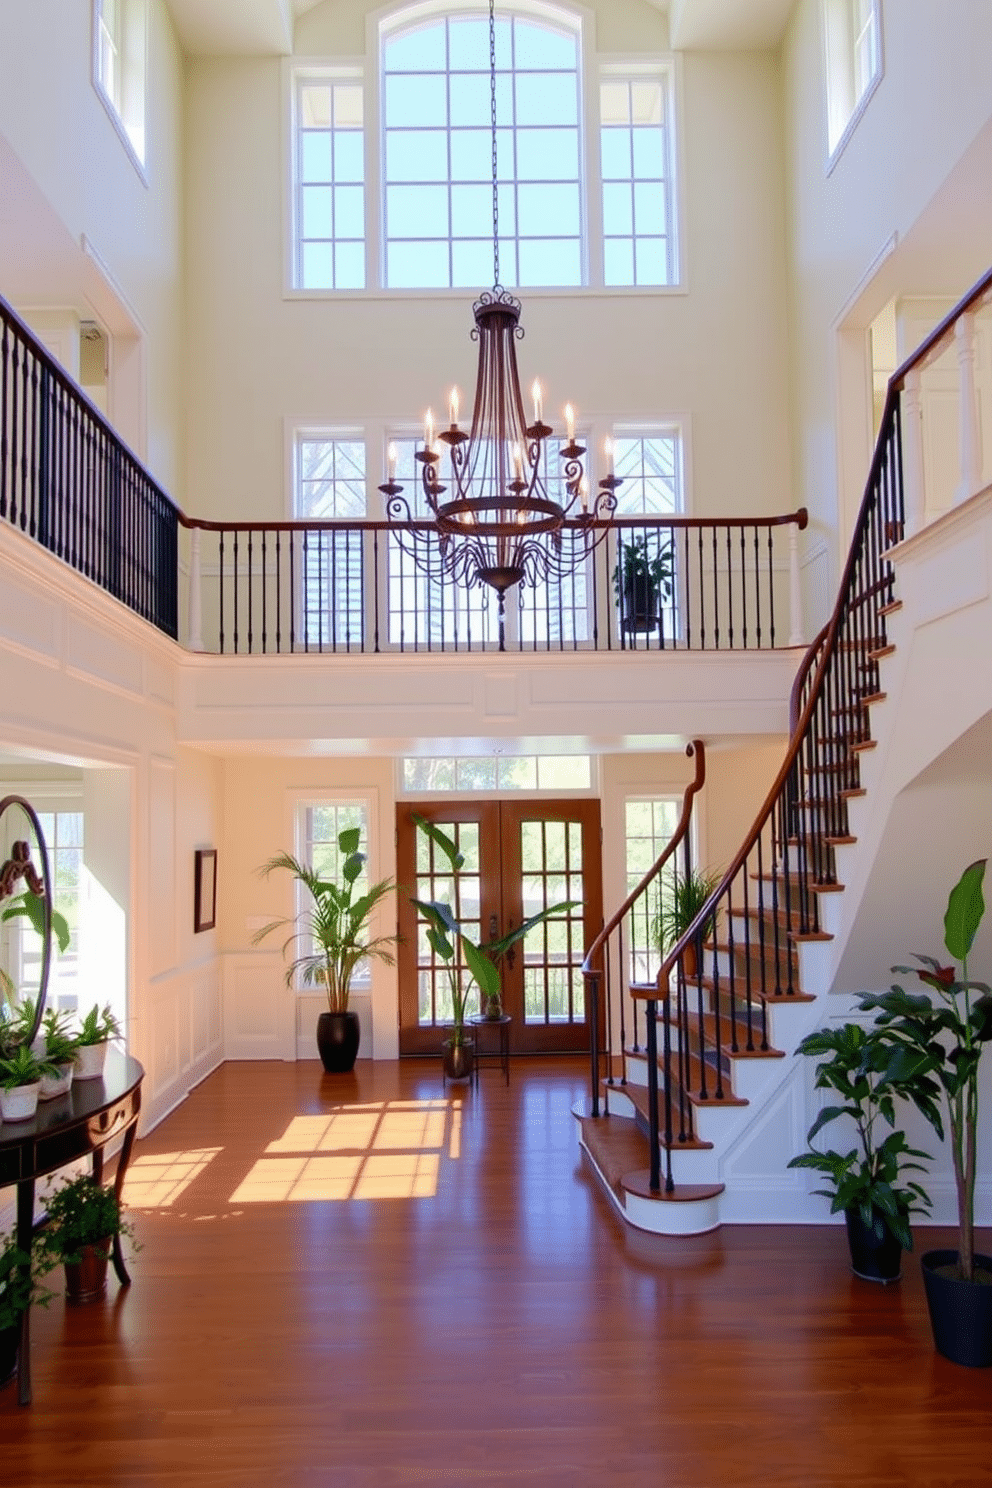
x=709, y=1051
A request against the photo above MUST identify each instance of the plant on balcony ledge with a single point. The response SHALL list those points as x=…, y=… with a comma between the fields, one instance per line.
x=333, y=929
x=642, y=580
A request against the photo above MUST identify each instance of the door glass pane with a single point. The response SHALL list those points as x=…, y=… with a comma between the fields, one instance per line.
x=435, y=882
x=551, y=857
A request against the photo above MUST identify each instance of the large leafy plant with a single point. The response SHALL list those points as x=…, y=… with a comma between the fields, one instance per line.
x=679, y=906
x=82, y=1212
x=452, y=945
x=639, y=570
x=853, y=1063
x=932, y=1047
x=331, y=933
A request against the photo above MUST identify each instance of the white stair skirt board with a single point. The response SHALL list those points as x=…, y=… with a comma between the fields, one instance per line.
x=659, y=1216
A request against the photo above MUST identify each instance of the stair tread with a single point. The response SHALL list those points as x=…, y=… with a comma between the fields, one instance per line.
x=891, y=607
x=815, y=886
x=880, y=651
x=728, y=1098
x=638, y=1097
x=864, y=744
x=638, y=1183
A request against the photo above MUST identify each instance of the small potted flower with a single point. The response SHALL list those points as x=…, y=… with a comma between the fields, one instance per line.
x=82, y=1217
x=21, y=1074
x=95, y=1032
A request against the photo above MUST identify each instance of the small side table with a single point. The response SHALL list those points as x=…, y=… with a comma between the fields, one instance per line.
x=498, y=1052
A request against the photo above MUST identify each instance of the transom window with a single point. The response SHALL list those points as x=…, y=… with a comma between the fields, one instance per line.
x=437, y=117
x=517, y=772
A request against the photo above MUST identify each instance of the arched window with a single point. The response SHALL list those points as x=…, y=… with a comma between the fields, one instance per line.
x=437, y=138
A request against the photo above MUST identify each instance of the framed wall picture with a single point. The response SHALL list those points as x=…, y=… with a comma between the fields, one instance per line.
x=205, y=890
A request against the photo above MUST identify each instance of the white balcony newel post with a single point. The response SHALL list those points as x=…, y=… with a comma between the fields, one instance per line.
x=969, y=430
x=912, y=452
x=195, y=593
x=796, y=637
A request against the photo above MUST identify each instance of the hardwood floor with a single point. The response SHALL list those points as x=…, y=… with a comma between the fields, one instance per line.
x=499, y=1326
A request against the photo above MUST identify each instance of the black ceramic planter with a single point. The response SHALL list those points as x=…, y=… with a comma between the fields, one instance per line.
x=873, y=1258
x=9, y=1340
x=640, y=606
x=960, y=1311
x=338, y=1037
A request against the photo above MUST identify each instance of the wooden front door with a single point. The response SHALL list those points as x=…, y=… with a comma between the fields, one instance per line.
x=520, y=857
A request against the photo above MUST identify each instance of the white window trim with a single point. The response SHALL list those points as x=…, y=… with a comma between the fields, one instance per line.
x=833, y=155
x=593, y=66
x=135, y=57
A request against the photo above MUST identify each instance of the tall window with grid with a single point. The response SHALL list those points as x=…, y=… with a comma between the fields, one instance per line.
x=650, y=824
x=330, y=183
x=639, y=240
x=330, y=487
x=436, y=102
x=650, y=465
x=319, y=824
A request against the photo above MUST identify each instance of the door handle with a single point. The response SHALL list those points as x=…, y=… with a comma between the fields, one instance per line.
x=493, y=927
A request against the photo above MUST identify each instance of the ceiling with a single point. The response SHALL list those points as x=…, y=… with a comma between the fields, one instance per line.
x=265, y=27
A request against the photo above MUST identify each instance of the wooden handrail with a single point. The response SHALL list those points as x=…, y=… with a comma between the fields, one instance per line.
x=922, y=353
x=799, y=681
x=798, y=518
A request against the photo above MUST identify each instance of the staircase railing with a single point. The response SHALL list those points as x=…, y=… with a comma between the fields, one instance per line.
x=69, y=483
x=766, y=902
x=609, y=956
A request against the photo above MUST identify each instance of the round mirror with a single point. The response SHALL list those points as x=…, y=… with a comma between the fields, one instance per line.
x=25, y=922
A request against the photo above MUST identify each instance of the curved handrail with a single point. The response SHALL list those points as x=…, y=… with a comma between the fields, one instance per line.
x=696, y=749
x=799, y=681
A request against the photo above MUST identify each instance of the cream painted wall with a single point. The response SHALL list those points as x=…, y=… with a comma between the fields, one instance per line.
x=53, y=119
x=716, y=352
x=892, y=189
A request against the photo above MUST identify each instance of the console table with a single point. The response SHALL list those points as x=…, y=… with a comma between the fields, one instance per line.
x=77, y=1124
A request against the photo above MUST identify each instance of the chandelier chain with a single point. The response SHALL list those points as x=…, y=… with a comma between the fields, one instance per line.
x=492, y=99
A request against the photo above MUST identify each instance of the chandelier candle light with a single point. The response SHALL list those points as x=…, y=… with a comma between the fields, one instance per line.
x=501, y=526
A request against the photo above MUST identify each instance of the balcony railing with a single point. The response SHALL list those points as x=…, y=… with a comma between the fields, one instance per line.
x=68, y=483
x=272, y=588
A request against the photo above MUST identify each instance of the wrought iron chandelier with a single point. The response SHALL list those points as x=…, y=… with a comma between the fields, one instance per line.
x=500, y=525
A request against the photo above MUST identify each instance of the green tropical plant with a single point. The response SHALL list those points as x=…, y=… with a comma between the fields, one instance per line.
x=333, y=928
x=17, y=1015
x=680, y=904
x=639, y=572
x=30, y=906
x=853, y=1063
x=21, y=1273
x=933, y=1048
x=99, y=1025
x=60, y=1043
x=21, y=1066
x=481, y=961
x=81, y=1212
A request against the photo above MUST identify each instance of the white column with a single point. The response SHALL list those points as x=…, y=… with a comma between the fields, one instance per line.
x=795, y=593
x=912, y=452
x=195, y=637
x=969, y=430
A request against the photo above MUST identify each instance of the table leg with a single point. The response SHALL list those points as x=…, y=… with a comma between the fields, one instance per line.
x=122, y=1162
x=25, y=1230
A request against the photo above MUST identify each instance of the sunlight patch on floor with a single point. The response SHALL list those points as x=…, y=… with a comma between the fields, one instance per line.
x=381, y=1150
x=156, y=1180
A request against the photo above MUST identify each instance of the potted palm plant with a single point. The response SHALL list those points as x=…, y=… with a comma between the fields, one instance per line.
x=864, y=1181
x=933, y=1047
x=642, y=580
x=679, y=906
x=332, y=936
x=481, y=960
